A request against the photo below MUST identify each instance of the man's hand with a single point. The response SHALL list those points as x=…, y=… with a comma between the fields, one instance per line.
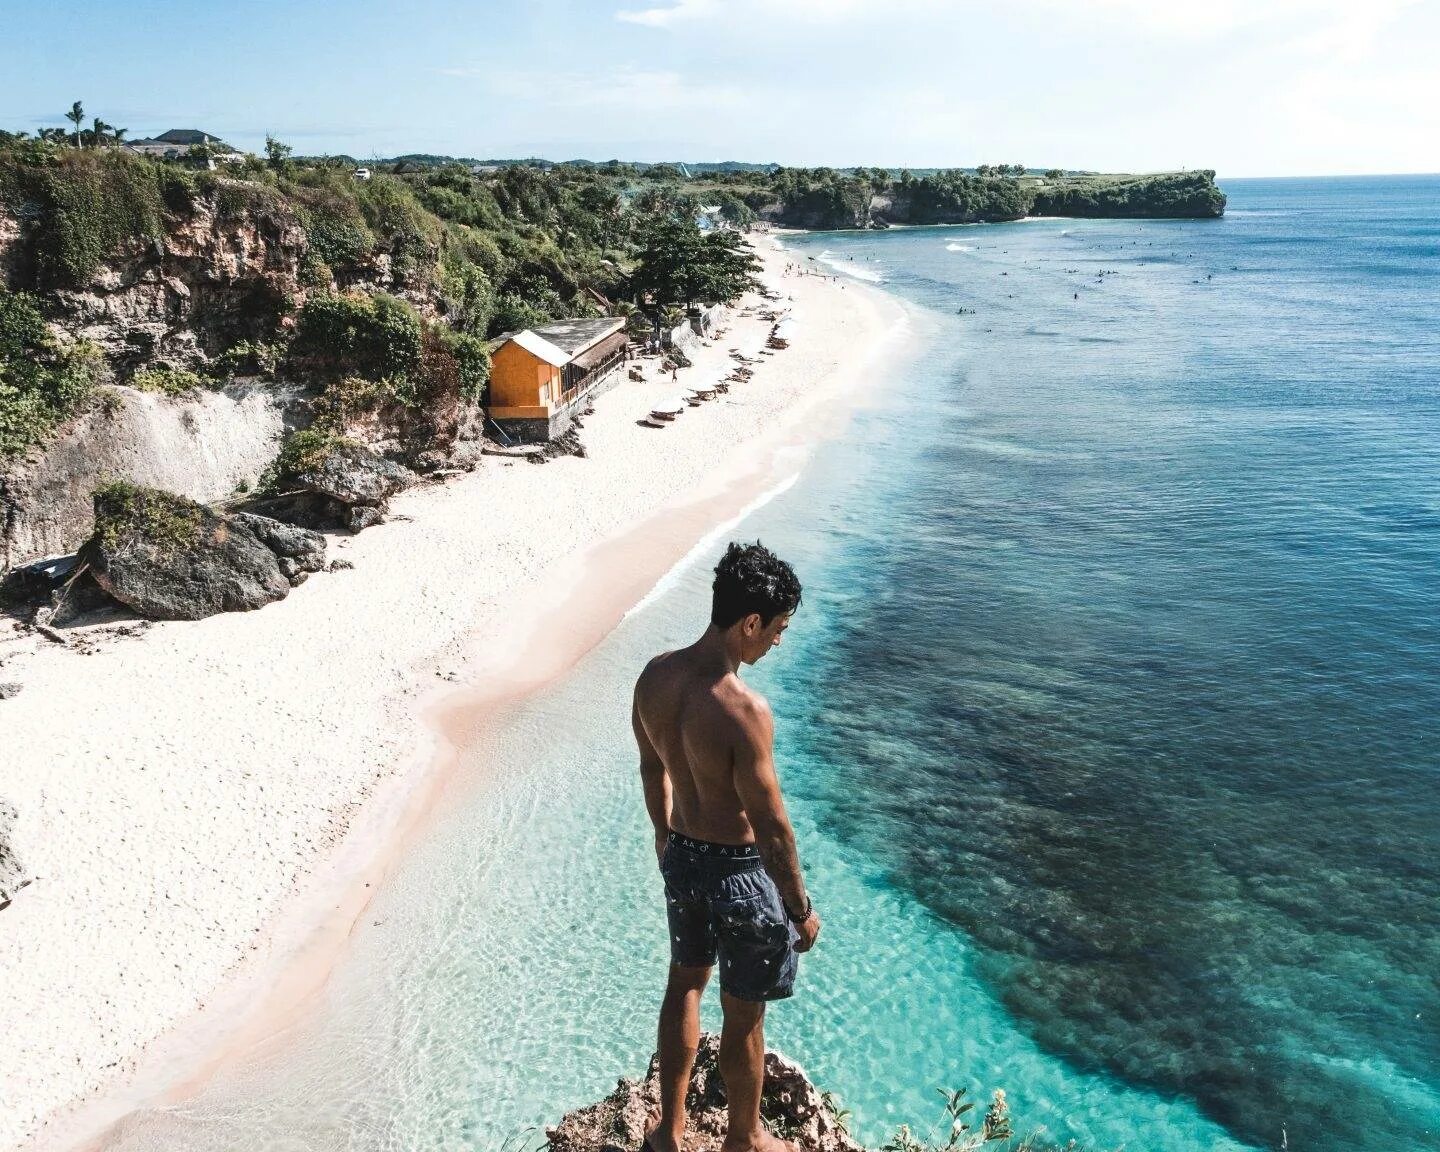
x=661, y=840
x=809, y=929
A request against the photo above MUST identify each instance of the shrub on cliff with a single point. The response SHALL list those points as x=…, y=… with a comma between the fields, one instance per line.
x=40, y=384
x=371, y=336
x=166, y=380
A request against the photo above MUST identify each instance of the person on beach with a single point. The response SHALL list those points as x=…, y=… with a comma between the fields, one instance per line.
x=734, y=892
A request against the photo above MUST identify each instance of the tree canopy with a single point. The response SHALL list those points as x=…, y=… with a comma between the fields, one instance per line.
x=680, y=264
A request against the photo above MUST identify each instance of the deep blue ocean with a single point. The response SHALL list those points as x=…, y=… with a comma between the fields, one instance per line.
x=1111, y=723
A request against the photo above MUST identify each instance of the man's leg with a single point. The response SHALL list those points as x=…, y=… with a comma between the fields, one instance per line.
x=679, y=1039
x=742, y=1065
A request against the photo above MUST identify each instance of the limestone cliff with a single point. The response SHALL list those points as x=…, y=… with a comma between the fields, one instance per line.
x=203, y=446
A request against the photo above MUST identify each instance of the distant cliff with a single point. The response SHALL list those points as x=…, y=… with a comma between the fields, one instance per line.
x=834, y=201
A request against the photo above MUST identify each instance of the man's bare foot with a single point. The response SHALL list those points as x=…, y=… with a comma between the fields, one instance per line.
x=760, y=1141
x=658, y=1139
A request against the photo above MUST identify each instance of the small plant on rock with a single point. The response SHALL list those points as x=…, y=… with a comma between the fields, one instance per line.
x=959, y=1137
x=166, y=380
x=125, y=511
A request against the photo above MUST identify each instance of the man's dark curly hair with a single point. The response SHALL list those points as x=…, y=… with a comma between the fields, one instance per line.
x=751, y=578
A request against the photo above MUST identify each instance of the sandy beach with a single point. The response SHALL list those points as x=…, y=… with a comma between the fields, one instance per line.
x=203, y=805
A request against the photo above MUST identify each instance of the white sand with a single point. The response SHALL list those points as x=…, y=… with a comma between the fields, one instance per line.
x=184, y=791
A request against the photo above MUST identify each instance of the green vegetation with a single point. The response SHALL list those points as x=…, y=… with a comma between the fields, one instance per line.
x=995, y=1131
x=250, y=358
x=307, y=449
x=125, y=512
x=40, y=385
x=167, y=380
x=88, y=205
x=1164, y=194
x=680, y=263
x=371, y=336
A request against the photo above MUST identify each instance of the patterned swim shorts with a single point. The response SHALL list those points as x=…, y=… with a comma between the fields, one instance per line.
x=722, y=904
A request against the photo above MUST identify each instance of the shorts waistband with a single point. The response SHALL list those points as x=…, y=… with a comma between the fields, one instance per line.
x=711, y=849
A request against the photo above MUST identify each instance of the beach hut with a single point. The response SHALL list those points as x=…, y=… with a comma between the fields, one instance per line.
x=540, y=377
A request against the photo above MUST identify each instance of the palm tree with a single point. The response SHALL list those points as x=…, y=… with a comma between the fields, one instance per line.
x=77, y=116
x=119, y=134
x=53, y=135
x=98, y=131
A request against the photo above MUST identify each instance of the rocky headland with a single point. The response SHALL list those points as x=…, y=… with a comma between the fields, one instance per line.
x=791, y=1107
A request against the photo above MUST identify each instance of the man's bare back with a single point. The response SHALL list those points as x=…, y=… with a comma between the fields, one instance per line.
x=734, y=891
x=695, y=716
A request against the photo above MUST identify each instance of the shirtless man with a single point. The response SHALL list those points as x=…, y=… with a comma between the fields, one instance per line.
x=733, y=886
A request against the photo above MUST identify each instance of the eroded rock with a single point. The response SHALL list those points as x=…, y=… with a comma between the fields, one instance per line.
x=792, y=1106
x=298, y=550
x=352, y=474
x=169, y=558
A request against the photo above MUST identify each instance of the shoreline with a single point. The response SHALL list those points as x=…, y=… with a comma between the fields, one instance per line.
x=575, y=597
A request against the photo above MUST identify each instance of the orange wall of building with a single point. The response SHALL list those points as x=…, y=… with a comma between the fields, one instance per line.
x=517, y=379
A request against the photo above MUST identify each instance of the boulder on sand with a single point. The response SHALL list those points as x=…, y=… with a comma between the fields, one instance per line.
x=352, y=474
x=298, y=551
x=332, y=482
x=169, y=558
x=789, y=1103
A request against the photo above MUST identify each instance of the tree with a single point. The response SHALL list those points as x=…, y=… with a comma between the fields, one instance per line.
x=680, y=264
x=76, y=116
x=276, y=153
x=1054, y=173
x=1017, y=169
x=983, y=170
x=98, y=132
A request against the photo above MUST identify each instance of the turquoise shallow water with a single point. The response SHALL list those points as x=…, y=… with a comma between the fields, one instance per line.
x=1110, y=724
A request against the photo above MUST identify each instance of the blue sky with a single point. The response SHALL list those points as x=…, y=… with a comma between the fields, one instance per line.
x=1249, y=87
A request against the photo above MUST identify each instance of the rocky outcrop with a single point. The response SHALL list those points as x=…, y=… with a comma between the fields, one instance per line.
x=13, y=875
x=348, y=487
x=227, y=269
x=298, y=551
x=203, y=446
x=168, y=558
x=791, y=1105
x=353, y=475
x=1167, y=195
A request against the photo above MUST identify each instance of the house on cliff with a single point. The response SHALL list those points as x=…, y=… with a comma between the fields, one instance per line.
x=177, y=144
x=540, y=377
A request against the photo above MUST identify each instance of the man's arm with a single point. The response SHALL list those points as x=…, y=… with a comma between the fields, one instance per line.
x=758, y=787
x=652, y=777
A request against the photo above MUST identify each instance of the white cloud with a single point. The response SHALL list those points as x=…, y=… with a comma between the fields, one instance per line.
x=665, y=17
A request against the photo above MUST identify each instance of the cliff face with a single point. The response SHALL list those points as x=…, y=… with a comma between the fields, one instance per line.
x=959, y=198
x=202, y=446
x=215, y=278
x=1166, y=195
